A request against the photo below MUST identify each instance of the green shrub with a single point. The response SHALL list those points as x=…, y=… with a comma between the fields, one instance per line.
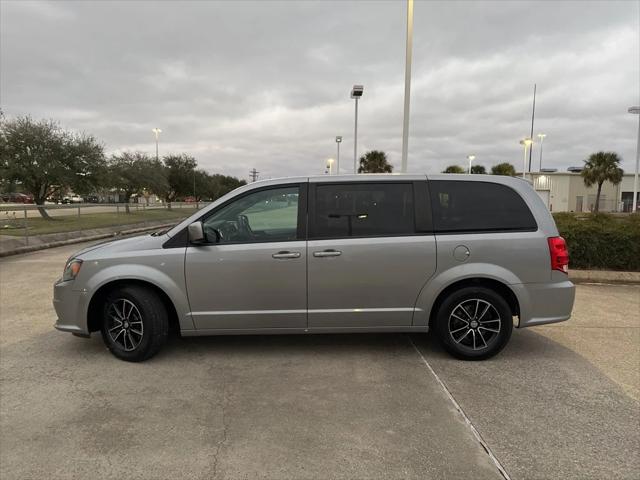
x=601, y=241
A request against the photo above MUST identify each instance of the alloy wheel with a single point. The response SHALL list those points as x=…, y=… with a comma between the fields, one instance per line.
x=474, y=324
x=124, y=324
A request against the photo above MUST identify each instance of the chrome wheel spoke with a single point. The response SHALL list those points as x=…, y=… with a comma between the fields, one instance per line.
x=130, y=340
x=474, y=324
x=490, y=321
x=461, y=319
x=482, y=337
x=486, y=309
x=464, y=310
x=115, y=339
x=488, y=329
x=117, y=326
x=462, y=337
x=118, y=312
x=124, y=324
x=124, y=309
x=458, y=329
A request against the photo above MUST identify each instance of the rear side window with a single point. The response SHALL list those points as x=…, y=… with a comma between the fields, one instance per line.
x=363, y=209
x=460, y=206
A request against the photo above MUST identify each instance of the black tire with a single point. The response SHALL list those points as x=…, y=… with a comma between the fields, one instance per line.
x=492, y=326
x=141, y=334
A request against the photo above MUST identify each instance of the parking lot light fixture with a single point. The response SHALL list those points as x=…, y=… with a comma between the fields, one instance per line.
x=526, y=142
x=356, y=93
x=471, y=158
x=157, y=133
x=338, y=142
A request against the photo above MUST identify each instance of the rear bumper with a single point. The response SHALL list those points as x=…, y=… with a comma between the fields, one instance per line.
x=542, y=303
x=70, y=307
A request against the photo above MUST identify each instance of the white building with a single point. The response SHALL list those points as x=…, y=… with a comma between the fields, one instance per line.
x=566, y=192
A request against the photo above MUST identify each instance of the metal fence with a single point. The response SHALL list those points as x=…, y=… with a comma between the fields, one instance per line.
x=27, y=224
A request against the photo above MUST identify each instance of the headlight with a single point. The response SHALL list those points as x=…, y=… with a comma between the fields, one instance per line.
x=71, y=269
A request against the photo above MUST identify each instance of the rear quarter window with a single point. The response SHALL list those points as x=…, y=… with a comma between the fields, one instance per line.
x=462, y=206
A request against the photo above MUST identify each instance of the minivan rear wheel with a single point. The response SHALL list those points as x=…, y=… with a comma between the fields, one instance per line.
x=134, y=323
x=474, y=323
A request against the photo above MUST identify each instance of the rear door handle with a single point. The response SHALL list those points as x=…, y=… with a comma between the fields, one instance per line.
x=285, y=254
x=328, y=253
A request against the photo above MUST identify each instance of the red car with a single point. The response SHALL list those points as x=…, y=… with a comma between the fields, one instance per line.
x=16, y=198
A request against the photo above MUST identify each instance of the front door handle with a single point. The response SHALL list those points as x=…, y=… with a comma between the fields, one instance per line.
x=285, y=254
x=328, y=253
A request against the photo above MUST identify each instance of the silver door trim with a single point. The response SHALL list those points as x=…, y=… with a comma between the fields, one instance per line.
x=364, y=310
x=249, y=312
x=317, y=310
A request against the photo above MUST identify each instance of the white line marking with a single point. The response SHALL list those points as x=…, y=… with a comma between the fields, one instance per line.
x=475, y=432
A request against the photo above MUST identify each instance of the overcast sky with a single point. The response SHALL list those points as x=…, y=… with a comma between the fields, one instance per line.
x=266, y=84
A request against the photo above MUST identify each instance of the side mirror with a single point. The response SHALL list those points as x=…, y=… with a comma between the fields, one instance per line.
x=196, y=232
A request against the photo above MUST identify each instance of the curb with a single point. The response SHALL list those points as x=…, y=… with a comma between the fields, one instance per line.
x=89, y=238
x=604, y=276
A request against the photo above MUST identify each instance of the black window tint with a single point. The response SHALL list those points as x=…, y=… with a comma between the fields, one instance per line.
x=460, y=206
x=363, y=209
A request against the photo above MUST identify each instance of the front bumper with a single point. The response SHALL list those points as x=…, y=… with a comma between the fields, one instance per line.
x=71, y=307
x=542, y=303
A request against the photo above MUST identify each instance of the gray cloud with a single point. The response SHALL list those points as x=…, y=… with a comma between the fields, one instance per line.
x=265, y=84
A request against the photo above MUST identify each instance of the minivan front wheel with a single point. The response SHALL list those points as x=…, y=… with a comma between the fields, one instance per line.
x=134, y=323
x=474, y=323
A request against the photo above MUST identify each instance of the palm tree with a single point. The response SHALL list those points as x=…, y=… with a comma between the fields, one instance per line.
x=504, y=169
x=374, y=161
x=599, y=168
x=454, y=169
x=478, y=169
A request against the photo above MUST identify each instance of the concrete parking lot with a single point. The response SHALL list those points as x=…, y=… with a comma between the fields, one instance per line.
x=561, y=401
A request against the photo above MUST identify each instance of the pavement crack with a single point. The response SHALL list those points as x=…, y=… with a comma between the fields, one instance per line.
x=223, y=440
x=467, y=420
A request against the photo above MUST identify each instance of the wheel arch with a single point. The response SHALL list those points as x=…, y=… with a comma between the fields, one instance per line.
x=501, y=288
x=93, y=311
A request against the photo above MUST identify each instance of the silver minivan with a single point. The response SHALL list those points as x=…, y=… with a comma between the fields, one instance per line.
x=466, y=256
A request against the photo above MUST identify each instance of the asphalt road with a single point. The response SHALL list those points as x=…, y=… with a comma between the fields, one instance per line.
x=561, y=401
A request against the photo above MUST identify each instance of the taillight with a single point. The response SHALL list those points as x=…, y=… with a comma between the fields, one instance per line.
x=559, y=254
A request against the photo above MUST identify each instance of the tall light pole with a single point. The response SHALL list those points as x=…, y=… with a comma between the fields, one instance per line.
x=407, y=86
x=636, y=111
x=541, y=137
x=356, y=93
x=194, y=183
x=526, y=142
x=157, y=132
x=338, y=142
x=471, y=158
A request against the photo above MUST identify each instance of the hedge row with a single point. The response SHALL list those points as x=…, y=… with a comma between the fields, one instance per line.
x=601, y=241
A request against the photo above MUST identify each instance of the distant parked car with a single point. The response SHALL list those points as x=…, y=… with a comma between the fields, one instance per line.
x=92, y=199
x=72, y=199
x=17, y=198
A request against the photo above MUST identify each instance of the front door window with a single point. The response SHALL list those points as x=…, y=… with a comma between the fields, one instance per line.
x=265, y=216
